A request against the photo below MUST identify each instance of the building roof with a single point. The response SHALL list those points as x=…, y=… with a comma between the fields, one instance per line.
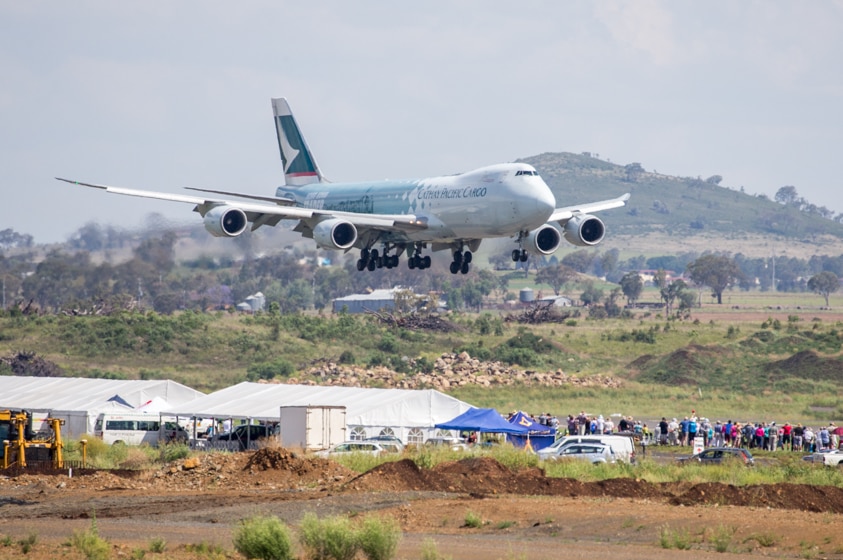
x=364, y=407
x=77, y=393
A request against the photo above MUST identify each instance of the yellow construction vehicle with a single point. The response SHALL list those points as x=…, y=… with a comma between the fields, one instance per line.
x=23, y=447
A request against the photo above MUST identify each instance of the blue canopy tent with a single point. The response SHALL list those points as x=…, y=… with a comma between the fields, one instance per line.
x=538, y=435
x=484, y=420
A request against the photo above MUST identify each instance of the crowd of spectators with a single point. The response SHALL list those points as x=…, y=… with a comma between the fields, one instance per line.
x=768, y=436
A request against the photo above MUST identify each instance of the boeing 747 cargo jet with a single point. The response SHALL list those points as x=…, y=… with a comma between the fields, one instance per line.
x=385, y=219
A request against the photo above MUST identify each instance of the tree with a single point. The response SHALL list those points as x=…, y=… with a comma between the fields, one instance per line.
x=787, y=195
x=580, y=261
x=556, y=276
x=632, y=285
x=718, y=272
x=633, y=172
x=592, y=294
x=671, y=292
x=824, y=283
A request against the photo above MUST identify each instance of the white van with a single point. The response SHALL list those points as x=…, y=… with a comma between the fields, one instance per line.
x=136, y=428
x=622, y=446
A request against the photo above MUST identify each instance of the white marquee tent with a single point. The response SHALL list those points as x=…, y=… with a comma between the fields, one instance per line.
x=80, y=400
x=408, y=414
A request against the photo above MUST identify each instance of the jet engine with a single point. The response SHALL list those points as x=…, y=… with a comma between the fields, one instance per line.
x=543, y=240
x=584, y=230
x=226, y=221
x=335, y=234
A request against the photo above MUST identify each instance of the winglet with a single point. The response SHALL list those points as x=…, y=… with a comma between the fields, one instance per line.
x=300, y=167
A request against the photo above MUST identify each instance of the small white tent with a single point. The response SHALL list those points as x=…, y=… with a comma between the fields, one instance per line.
x=80, y=400
x=408, y=414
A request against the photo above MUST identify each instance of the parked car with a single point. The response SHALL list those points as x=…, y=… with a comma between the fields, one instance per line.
x=454, y=443
x=245, y=435
x=622, y=446
x=832, y=458
x=362, y=447
x=717, y=455
x=591, y=452
x=390, y=443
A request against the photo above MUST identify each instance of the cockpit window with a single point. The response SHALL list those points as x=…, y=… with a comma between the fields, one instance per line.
x=526, y=172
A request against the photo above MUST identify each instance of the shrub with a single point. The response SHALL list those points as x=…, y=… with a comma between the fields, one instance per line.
x=157, y=545
x=329, y=538
x=174, y=451
x=473, y=520
x=266, y=538
x=379, y=538
x=90, y=543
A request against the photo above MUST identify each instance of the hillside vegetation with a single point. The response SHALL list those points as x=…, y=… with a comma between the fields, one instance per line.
x=788, y=361
x=678, y=206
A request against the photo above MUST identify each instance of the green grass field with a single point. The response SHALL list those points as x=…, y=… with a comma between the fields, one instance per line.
x=715, y=362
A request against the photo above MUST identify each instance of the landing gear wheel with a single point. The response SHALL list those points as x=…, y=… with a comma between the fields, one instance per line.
x=465, y=266
x=466, y=257
x=361, y=264
x=516, y=255
x=411, y=263
x=455, y=267
x=524, y=256
x=371, y=265
x=425, y=261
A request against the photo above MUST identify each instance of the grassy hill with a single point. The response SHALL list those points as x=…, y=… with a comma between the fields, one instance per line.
x=682, y=207
x=788, y=361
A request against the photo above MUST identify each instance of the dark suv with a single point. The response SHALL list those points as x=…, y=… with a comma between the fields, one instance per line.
x=717, y=455
x=246, y=434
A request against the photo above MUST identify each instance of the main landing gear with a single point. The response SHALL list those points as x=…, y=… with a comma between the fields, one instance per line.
x=372, y=259
x=461, y=262
x=418, y=261
x=519, y=255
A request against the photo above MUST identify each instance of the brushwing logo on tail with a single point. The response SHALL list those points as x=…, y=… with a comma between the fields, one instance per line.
x=299, y=163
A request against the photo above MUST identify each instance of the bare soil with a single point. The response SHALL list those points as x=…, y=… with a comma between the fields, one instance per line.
x=524, y=515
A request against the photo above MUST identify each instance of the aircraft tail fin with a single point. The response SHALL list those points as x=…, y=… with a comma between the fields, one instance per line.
x=300, y=167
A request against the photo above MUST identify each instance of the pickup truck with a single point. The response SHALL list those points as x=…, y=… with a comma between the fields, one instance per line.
x=828, y=458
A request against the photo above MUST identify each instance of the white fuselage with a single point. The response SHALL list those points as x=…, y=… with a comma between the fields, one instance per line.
x=496, y=201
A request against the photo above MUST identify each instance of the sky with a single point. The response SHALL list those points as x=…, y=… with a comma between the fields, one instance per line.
x=162, y=95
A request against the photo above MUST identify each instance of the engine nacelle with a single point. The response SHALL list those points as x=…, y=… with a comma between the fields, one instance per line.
x=335, y=234
x=584, y=230
x=226, y=221
x=543, y=240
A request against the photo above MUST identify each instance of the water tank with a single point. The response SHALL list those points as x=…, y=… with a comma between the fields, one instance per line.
x=526, y=295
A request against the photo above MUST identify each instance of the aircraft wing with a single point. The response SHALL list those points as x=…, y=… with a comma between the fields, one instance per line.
x=565, y=214
x=264, y=214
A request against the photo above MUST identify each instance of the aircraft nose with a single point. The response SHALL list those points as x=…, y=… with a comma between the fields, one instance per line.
x=545, y=201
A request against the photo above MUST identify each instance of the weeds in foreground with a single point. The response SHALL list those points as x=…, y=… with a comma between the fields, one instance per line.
x=205, y=550
x=765, y=540
x=90, y=543
x=379, y=538
x=28, y=542
x=264, y=538
x=679, y=539
x=722, y=537
x=472, y=520
x=157, y=545
x=329, y=538
x=429, y=551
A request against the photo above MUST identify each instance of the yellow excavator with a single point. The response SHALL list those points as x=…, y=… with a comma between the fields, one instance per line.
x=22, y=447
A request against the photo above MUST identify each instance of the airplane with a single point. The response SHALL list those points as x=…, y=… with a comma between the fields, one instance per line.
x=453, y=212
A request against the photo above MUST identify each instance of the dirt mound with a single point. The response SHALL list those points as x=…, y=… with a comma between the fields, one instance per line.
x=777, y=496
x=398, y=476
x=285, y=460
x=808, y=365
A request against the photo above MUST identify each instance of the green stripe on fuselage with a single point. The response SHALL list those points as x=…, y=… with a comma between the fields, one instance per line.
x=383, y=197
